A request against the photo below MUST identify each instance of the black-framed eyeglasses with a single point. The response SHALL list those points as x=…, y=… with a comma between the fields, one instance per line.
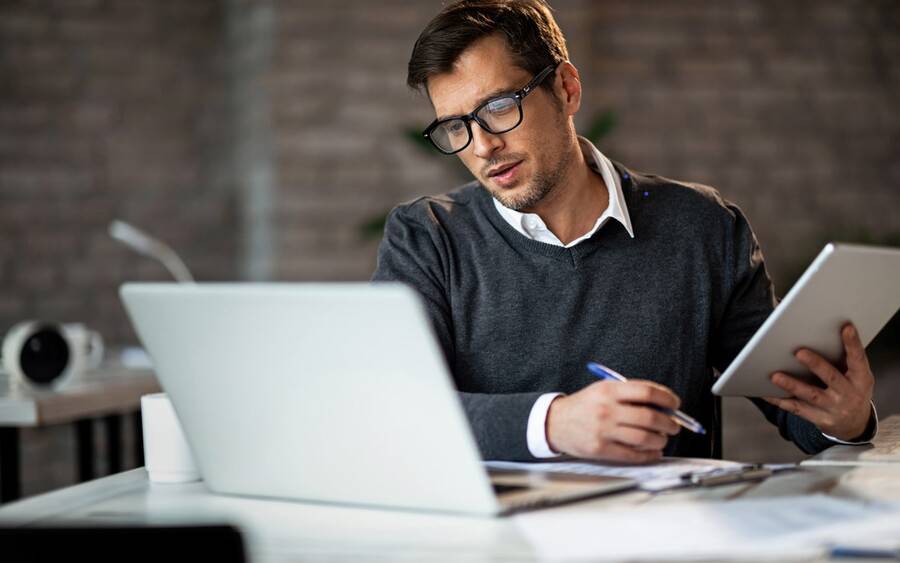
x=497, y=115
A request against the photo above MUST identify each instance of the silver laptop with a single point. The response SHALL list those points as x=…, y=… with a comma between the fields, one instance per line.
x=326, y=392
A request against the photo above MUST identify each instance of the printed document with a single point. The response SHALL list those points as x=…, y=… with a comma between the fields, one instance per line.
x=778, y=528
x=665, y=474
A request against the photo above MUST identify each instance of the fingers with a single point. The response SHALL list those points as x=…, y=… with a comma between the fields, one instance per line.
x=823, y=369
x=594, y=424
x=620, y=453
x=858, y=373
x=858, y=370
x=612, y=421
x=808, y=393
x=804, y=410
x=639, y=438
x=842, y=409
x=647, y=393
x=648, y=419
x=845, y=423
x=643, y=431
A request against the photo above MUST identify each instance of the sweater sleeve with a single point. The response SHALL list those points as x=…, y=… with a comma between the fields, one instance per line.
x=415, y=251
x=750, y=299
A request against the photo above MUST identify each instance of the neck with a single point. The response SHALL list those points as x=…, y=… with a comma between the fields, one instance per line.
x=573, y=206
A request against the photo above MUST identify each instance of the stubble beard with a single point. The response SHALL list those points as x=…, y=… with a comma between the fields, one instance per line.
x=542, y=184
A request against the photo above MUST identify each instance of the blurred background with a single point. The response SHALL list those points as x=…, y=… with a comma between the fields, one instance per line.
x=266, y=140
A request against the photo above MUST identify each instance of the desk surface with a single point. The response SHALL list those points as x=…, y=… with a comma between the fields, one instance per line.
x=289, y=531
x=108, y=390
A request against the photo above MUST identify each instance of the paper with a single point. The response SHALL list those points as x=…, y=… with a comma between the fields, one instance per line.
x=884, y=449
x=878, y=482
x=748, y=529
x=665, y=474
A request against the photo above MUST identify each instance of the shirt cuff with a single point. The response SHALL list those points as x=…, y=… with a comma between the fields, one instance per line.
x=868, y=434
x=536, y=433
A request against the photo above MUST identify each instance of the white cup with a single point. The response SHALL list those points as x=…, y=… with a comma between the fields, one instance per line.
x=167, y=456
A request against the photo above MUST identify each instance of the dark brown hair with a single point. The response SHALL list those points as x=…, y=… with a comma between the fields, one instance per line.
x=531, y=34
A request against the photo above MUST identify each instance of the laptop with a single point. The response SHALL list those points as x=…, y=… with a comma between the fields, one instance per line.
x=333, y=393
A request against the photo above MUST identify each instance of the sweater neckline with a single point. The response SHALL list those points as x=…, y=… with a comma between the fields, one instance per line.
x=520, y=241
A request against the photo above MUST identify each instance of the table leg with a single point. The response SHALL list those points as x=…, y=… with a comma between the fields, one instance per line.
x=84, y=438
x=113, y=425
x=10, y=466
x=138, y=426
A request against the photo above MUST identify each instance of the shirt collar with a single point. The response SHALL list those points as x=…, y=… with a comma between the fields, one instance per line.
x=533, y=227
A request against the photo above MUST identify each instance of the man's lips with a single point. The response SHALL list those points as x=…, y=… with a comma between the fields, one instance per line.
x=496, y=171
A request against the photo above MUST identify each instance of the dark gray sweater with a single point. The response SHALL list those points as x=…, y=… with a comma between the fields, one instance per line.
x=517, y=318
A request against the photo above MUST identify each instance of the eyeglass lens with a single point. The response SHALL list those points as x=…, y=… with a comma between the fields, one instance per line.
x=496, y=116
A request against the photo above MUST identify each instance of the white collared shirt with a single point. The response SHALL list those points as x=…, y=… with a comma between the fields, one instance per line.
x=532, y=226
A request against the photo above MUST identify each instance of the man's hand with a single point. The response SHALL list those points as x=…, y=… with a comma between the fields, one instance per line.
x=610, y=420
x=842, y=409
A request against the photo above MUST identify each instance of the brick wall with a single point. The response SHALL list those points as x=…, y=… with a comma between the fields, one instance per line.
x=108, y=110
x=340, y=106
x=789, y=108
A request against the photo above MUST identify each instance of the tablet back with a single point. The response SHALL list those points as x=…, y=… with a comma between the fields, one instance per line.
x=845, y=283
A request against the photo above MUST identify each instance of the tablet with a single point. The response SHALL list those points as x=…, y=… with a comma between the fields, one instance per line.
x=845, y=283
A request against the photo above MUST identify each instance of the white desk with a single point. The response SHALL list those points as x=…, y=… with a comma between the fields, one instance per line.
x=292, y=531
x=288, y=531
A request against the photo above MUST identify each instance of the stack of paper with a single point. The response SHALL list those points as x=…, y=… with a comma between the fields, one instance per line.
x=665, y=474
x=801, y=526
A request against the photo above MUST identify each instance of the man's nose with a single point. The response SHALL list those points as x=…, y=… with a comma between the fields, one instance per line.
x=485, y=144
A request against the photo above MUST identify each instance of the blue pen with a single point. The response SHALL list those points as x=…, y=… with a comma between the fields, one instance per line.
x=852, y=552
x=679, y=417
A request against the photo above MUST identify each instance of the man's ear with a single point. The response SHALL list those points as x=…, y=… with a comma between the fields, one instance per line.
x=567, y=87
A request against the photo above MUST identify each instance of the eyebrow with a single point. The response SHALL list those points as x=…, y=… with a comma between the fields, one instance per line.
x=483, y=99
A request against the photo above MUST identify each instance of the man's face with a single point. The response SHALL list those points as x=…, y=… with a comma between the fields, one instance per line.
x=519, y=167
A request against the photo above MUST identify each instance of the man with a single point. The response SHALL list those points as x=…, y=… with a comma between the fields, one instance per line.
x=556, y=256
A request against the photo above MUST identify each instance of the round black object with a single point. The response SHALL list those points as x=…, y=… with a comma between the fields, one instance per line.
x=44, y=356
